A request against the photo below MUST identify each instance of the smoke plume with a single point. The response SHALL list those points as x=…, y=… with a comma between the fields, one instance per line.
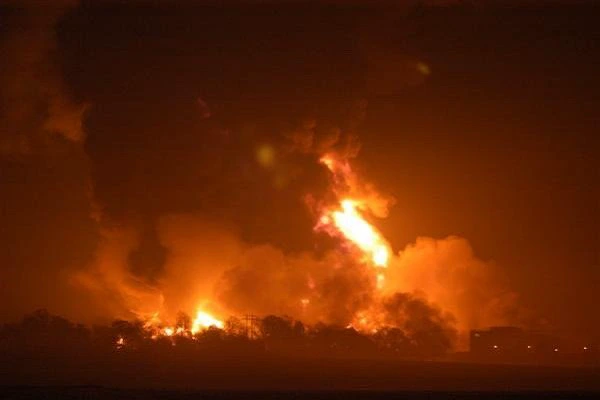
x=35, y=104
x=205, y=203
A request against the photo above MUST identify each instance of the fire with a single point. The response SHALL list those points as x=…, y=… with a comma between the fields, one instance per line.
x=356, y=229
x=204, y=320
x=168, y=331
x=380, y=280
x=347, y=220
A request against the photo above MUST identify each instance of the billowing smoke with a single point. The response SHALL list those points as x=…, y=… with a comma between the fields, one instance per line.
x=448, y=273
x=119, y=292
x=438, y=283
x=266, y=281
x=426, y=325
x=434, y=285
x=215, y=206
x=200, y=249
x=44, y=169
x=35, y=104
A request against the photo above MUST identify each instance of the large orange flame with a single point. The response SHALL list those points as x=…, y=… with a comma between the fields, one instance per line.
x=204, y=320
x=357, y=230
x=348, y=221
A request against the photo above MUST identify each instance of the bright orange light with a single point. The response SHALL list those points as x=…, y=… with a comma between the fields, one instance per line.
x=168, y=331
x=357, y=230
x=380, y=280
x=204, y=320
x=348, y=220
x=328, y=161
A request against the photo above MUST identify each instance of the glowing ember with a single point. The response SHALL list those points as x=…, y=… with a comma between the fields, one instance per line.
x=204, y=320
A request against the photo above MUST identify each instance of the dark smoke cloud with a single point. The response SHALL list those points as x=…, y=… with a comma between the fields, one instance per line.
x=265, y=280
x=35, y=104
x=45, y=226
x=426, y=325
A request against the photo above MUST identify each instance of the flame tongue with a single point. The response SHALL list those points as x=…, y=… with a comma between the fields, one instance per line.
x=350, y=223
x=347, y=220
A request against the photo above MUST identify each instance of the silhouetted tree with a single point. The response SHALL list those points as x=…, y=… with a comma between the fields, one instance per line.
x=340, y=341
x=212, y=336
x=131, y=333
x=392, y=341
x=431, y=332
x=276, y=328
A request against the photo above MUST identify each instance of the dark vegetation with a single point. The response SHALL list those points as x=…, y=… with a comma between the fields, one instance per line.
x=276, y=353
x=99, y=393
x=42, y=332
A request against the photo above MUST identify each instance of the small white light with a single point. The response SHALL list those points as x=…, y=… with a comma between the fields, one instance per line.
x=495, y=346
x=556, y=349
x=585, y=347
x=529, y=346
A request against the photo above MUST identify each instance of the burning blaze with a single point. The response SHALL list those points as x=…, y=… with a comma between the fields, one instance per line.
x=204, y=320
x=357, y=230
x=347, y=219
x=344, y=215
x=168, y=331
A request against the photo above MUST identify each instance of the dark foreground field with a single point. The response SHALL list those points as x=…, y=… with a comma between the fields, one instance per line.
x=100, y=393
x=283, y=374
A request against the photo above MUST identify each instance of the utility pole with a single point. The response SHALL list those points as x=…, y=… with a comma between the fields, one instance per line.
x=252, y=325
